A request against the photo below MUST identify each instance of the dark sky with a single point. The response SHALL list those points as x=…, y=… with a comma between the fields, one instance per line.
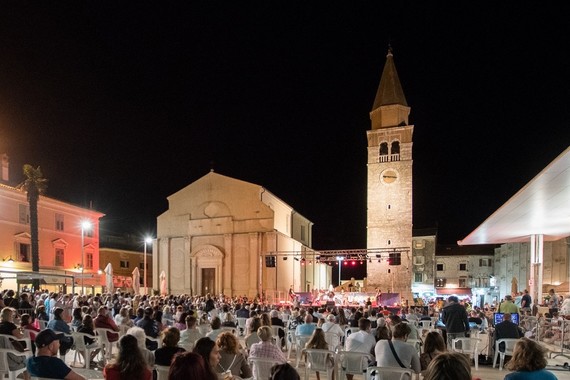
x=125, y=103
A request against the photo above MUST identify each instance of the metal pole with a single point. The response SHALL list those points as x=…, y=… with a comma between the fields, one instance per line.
x=144, y=280
x=82, y=260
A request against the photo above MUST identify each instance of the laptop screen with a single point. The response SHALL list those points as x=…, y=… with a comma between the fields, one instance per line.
x=498, y=318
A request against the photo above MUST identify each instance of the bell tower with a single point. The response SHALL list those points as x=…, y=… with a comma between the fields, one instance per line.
x=389, y=193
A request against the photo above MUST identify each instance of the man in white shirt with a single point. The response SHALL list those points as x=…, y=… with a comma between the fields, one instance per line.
x=361, y=341
x=406, y=353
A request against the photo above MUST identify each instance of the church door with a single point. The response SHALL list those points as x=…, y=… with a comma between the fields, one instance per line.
x=208, y=281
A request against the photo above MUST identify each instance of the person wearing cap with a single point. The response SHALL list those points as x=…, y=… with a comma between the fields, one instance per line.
x=46, y=363
x=508, y=306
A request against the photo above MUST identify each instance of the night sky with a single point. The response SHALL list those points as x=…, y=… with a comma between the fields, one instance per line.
x=124, y=103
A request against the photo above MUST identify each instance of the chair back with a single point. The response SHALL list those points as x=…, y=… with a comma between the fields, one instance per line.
x=278, y=340
x=509, y=344
x=162, y=371
x=417, y=343
x=43, y=324
x=352, y=363
x=261, y=367
x=333, y=340
x=319, y=360
x=388, y=373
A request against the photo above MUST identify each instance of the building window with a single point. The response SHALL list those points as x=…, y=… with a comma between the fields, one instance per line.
x=141, y=266
x=440, y=283
x=303, y=233
x=395, y=151
x=418, y=277
x=89, y=260
x=24, y=214
x=383, y=152
x=462, y=282
x=25, y=252
x=59, y=222
x=439, y=267
x=463, y=266
x=485, y=262
x=419, y=260
x=59, y=257
x=124, y=264
x=419, y=244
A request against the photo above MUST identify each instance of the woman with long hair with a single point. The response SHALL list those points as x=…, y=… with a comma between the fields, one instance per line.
x=210, y=351
x=318, y=341
x=189, y=365
x=449, y=366
x=433, y=346
x=130, y=363
x=528, y=362
x=87, y=327
x=233, y=358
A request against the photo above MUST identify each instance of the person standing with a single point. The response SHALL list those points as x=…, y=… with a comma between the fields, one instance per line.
x=526, y=301
x=455, y=319
x=553, y=302
x=508, y=306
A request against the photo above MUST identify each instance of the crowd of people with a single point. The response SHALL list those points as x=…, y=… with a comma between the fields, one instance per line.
x=195, y=342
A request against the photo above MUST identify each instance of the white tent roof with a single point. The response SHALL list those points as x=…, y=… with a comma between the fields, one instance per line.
x=540, y=207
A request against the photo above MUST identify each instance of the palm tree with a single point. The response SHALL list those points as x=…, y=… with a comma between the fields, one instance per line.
x=34, y=185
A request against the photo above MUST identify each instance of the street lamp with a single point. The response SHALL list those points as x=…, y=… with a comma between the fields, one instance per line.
x=147, y=240
x=339, y=258
x=85, y=225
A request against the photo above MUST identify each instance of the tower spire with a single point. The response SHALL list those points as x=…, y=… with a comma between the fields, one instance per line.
x=390, y=107
x=390, y=90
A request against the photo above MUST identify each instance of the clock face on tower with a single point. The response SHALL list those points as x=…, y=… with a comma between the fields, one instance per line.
x=389, y=176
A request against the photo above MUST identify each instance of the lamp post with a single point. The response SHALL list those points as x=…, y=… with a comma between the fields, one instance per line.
x=85, y=225
x=147, y=240
x=339, y=258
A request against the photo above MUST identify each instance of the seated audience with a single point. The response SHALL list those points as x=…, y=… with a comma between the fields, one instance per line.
x=528, y=362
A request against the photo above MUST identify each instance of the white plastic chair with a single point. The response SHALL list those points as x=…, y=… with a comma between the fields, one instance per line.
x=468, y=346
x=162, y=371
x=277, y=339
x=5, y=369
x=42, y=324
x=318, y=360
x=84, y=349
x=300, y=343
x=333, y=340
x=106, y=345
x=261, y=367
x=352, y=363
x=509, y=347
x=241, y=325
x=380, y=373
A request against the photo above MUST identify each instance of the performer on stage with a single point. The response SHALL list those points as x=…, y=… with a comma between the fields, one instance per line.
x=378, y=296
x=292, y=294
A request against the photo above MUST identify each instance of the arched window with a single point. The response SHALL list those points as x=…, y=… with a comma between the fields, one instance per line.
x=395, y=151
x=384, y=152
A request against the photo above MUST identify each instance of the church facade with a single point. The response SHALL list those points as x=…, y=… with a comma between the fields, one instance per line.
x=224, y=235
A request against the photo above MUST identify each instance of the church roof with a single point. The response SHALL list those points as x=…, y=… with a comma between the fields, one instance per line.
x=390, y=90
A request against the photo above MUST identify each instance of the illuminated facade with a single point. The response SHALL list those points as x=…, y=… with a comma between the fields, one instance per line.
x=224, y=235
x=389, y=201
x=60, y=250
